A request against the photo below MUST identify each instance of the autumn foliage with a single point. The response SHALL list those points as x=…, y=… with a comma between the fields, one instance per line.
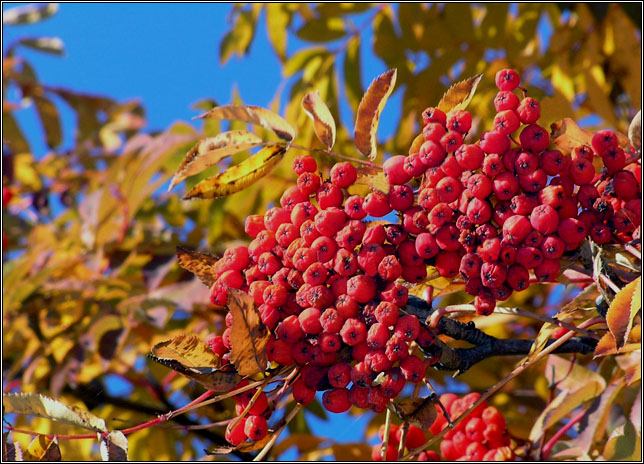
x=303, y=265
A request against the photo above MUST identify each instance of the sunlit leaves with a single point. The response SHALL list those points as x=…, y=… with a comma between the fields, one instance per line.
x=459, y=95
x=200, y=264
x=635, y=131
x=43, y=449
x=210, y=151
x=566, y=135
x=28, y=14
x=39, y=405
x=322, y=30
x=323, y=122
x=52, y=45
x=254, y=115
x=240, y=176
x=368, y=116
x=278, y=18
x=622, y=310
x=249, y=336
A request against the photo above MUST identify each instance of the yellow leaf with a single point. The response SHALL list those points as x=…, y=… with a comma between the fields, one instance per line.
x=323, y=122
x=621, y=313
x=566, y=135
x=211, y=150
x=26, y=173
x=39, y=405
x=249, y=336
x=240, y=176
x=415, y=145
x=459, y=95
x=253, y=115
x=374, y=178
x=191, y=357
x=635, y=131
x=43, y=449
x=369, y=110
x=277, y=20
x=200, y=264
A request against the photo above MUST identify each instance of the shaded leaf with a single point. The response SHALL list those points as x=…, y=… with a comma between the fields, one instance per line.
x=635, y=131
x=624, y=444
x=11, y=451
x=42, y=448
x=211, y=150
x=347, y=452
x=53, y=45
x=244, y=447
x=416, y=144
x=420, y=412
x=304, y=442
x=322, y=30
x=459, y=95
x=39, y=405
x=249, y=336
x=28, y=14
x=301, y=58
x=566, y=135
x=323, y=122
x=277, y=20
x=621, y=313
x=200, y=264
x=50, y=121
x=593, y=425
x=369, y=111
x=353, y=73
x=239, y=176
x=567, y=377
x=253, y=115
x=114, y=447
x=12, y=132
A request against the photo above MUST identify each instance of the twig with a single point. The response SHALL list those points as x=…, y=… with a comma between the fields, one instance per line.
x=525, y=365
x=610, y=283
x=277, y=433
x=634, y=251
x=336, y=155
x=547, y=449
x=385, y=437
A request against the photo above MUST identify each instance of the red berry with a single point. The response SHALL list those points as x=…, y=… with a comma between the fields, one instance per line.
x=255, y=427
x=507, y=79
x=353, y=332
x=343, y=174
x=505, y=100
x=529, y=110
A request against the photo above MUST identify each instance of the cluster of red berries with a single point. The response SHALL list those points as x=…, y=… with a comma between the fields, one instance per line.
x=481, y=437
x=254, y=424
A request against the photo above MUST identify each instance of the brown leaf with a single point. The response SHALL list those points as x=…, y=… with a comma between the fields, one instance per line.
x=459, y=95
x=249, y=336
x=607, y=346
x=566, y=135
x=420, y=412
x=239, y=176
x=244, y=447
x=369, y=110
x=621, y=313
x=191, y=357
x=323, y=122
x=211, y=150
x=351, y=452
x=42, y=448
x=254, y=115
x=200, y=264
x=114, y=447
x=415, y=145
x=11, y=452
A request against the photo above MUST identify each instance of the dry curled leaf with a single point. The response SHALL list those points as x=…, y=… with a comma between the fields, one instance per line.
x=211, y=150
x=240, y=176
x=622, y=311
x=566, y=135
x=49, y=408
x=191, y=357
x=44, y=449
x=323, y=122
x=248, y=335
x=459, y=95
x=635, y=131
x=254, y=115
x=114, y=447
x=420, y=412
x=369, y=111
x=200, y=264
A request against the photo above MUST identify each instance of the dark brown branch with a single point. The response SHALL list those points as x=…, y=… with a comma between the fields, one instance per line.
x=485, y=346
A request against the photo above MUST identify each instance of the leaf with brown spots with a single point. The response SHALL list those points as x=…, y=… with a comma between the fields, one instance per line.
x=240, y=176
x=323, y=122
x=200, y=264
x=369, y=111
x=211, y=150
x=459, y=95
x=566, y=135
x=191, y=357
x=248, y=335
x=254, y=115
x=420, y=412
x=622, y=311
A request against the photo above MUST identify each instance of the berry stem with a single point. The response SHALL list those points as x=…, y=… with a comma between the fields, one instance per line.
x=337, y=155
x=278, y=432
x=547, y=449
x=385, y=438
x=250, y=404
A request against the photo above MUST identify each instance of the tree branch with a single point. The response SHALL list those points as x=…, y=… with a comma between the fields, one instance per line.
x=485, y=346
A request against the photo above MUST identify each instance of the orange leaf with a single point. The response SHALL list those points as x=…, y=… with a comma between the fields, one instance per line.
x=323, y=122
x=621, y=313
x=200, y=264
x=459, y=95
x=369, y=110
x=420, y=412
x=566, y=135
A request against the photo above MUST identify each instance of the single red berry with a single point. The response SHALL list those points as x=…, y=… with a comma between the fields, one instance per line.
x=343, y=174
x=507, y=79
x=505, y=100
x=303, y=164
x=529, y=110
x=255, y=427
x=235, y=435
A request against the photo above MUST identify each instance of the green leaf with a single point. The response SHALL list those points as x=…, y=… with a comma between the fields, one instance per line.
x=278, y=18
x=322, y=30
x=50, y=121
x=624, y=444
x=352, y=73
x=335, y=9
x=299, y=60
x=13, y=134
x=28, y=14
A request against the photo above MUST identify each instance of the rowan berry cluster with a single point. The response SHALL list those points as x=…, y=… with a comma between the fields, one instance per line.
x=482, y=436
